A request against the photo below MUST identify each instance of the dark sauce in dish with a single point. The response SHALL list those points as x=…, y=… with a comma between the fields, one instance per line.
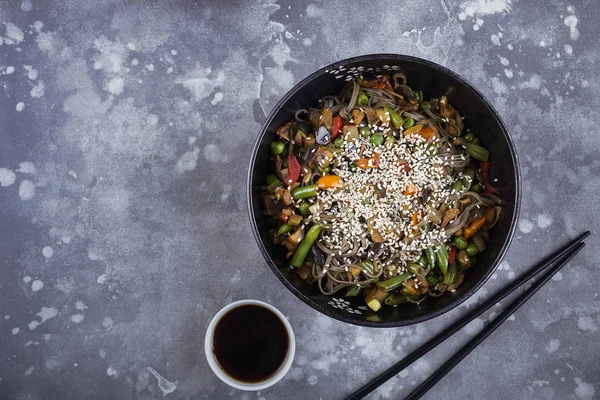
x=250, y=343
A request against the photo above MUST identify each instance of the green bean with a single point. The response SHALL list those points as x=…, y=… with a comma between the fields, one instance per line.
x=304, y=208
x=430, y=254
x=477, y=188
x=353, y=167
x=472, y=249
x=277, y=147
x=422, y=261
x=415, y=269
x=458, y=185
x=485, y=234
x=303, y=192
x=417, y=95
x=364, y=131
x=425, y=227
x=338, y=142
x=451, y=275
x=394, y=117
x=426, y=105
x=395, y=299
x=353, y=291
x=362, y=99
x=460, y=242
x=408, y=123
x=305, y=245
x=432, y=280
x=441, y=257
x=470, y=172
x=367, y=266
x=285, y=228
x=431, y=149
x=272, y=179
x=377, y=139
x=395, y=281
x=390, y=139
x=477, y=152
x=325, y=170
x=469, y=137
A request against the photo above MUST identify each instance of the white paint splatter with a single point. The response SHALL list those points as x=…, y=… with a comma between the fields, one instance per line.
x=14, y=32
x=512, y=317
x=38, y=90
x=312, y=380
x=110, y=371
x=509, y=74
x=544, y=220
x=217, y=98
x=7, y=177
x=45, y=314
x=495, y=40
x=535, y=82
x=236, y=277
x=80, y=305
x=107, y=322
x=188, y=161
x=163, y=384
x=26, y=5
x=37, y=285
x=26, y=190
x=553, y=345
x=135, y=61
x=29, y=371
x=51, y=364
x=584, y=390
x=115, y=85
x=15, y=331
x=47, y=251
x=27, y=279
x=201, y=82
x=10, y=70
x=473, y=8
x=511, y=275
x=77, y=318
x=525, y=226
x=568, y=49
x=150, y=67
x=586, y=323
x=557, y=277
x=213, y=154
x=571, y=21
x=26, y=167
x=20, y=106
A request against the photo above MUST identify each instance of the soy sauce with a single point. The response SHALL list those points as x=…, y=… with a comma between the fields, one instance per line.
x=250, y=343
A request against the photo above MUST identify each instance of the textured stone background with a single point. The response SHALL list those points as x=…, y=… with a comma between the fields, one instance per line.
x=125, y=130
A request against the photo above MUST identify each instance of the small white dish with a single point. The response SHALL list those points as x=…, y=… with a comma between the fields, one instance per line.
x=214, y=365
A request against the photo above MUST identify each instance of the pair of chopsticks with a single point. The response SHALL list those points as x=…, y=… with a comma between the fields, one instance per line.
x=558, y=258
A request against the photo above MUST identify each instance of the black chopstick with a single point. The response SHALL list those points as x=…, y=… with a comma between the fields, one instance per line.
x=491, y=327
x=456, y=326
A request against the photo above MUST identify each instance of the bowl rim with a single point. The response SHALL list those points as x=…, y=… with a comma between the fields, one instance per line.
x=405, y=322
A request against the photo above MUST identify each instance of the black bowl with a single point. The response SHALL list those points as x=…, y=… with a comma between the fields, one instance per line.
x=434, y=80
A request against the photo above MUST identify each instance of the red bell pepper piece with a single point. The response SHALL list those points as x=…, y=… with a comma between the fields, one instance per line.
x=406, y=167
x=452, y=255
x=284, y=217
x=293, y=170
x=336, y=126
x=485, y=172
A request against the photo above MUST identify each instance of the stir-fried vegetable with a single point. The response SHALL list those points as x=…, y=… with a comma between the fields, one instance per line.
x=380, y=193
